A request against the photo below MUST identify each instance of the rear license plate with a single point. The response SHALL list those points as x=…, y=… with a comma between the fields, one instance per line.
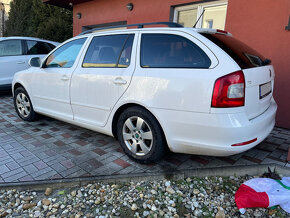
x=265, y=89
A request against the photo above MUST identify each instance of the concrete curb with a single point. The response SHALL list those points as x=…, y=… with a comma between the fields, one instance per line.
x=199, y=172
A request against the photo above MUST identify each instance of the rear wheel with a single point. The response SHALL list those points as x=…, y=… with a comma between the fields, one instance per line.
x=140, y=135
x=23, y=105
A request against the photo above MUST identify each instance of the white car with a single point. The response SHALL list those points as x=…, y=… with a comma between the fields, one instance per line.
x=15, y=52
x=197, y=91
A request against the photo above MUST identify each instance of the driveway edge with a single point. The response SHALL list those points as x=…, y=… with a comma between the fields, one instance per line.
x=199, y=172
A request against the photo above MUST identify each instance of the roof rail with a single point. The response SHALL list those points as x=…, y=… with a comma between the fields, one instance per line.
x=139, y=25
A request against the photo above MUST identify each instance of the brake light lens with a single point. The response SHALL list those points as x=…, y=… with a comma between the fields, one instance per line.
x=229, y=91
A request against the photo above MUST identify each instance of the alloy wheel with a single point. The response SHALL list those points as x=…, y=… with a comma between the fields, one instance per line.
x=137, y=136
x=23, y=104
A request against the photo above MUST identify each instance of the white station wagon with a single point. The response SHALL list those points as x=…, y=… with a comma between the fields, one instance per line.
x=196, y=91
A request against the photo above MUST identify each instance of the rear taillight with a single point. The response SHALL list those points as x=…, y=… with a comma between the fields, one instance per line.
x=229, y=91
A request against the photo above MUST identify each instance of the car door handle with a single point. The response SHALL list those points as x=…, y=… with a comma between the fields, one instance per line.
x=20, y=62
x=120, y=81
x=64, y=78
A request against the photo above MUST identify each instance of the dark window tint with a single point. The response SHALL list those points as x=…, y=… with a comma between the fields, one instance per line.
x=36, y=47
x=245, y=56
x=65, y=55
x=109, y=51
x=10, y=48
x=165, y=50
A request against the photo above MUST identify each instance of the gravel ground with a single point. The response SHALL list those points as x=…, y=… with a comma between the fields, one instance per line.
x=192, y=197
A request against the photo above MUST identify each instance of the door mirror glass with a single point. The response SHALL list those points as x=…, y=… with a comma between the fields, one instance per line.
x=34, y=62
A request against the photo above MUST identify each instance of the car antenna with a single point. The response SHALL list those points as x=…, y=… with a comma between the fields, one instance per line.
x=198, y=18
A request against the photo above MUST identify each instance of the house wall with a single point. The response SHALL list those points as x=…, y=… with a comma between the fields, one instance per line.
x=4, y=10
x=259, y=23
x=262, y=26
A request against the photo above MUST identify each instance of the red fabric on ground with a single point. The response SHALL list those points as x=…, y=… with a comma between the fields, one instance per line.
x=246, y=197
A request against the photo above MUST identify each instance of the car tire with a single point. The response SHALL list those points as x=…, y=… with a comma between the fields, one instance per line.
x=140, y=135
x=23, y=105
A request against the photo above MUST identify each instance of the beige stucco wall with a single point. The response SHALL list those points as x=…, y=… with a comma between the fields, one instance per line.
x=6, y=5
x=4, y=14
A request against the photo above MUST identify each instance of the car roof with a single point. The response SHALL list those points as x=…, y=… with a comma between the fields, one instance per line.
x=28, y=38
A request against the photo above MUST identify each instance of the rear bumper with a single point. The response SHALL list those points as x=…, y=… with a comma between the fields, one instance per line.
x=213, y=134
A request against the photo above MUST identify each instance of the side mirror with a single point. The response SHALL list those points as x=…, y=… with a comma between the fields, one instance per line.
x=34, y=62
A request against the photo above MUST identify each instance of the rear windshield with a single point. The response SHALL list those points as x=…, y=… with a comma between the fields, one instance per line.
x=245, y=56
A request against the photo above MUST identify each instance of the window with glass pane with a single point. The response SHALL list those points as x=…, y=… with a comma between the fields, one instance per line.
x=211, y=14
x=109, y=51
x=10, y=48
x=187, y=18
x=66, y=55
x=167, y=50
x=214, y=17
x=36, y=47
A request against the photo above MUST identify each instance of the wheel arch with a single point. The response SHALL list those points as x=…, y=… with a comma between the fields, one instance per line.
x=126, y=106
x=17, y=85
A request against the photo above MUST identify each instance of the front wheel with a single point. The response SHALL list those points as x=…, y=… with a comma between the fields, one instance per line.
x=140, y=135
x=23, y=105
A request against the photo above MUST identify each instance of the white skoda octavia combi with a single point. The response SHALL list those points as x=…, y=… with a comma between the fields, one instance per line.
x=196, y=91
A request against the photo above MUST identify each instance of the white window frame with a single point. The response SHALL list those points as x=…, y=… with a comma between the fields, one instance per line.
x=199, y=7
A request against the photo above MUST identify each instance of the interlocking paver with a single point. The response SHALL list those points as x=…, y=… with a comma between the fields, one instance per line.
x=3, y=169
x=51, y=149
x=12, y=165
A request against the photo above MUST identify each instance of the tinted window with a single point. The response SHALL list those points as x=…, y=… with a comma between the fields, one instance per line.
x=165, y=50
x=109, y=51
x=245, y=56
x=65, y=55
x=36, y=47
x=10, y=48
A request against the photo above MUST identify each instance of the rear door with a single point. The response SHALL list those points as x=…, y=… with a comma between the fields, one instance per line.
x=259, y=74
x=12, y=60
x=102, y=77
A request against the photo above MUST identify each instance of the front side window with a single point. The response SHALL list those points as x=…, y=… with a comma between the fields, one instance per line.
x=10, y=48
x=109, y=51
x=37, y=47
x=65, y=55
x=171, y=51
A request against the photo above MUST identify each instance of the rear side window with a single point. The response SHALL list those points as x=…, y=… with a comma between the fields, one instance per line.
x=109, y=51
x=171, y=51
x=245, y=56
x=11, y=47
x=37, y=47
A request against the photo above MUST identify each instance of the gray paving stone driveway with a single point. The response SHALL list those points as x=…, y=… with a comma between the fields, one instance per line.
x=51, y=149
